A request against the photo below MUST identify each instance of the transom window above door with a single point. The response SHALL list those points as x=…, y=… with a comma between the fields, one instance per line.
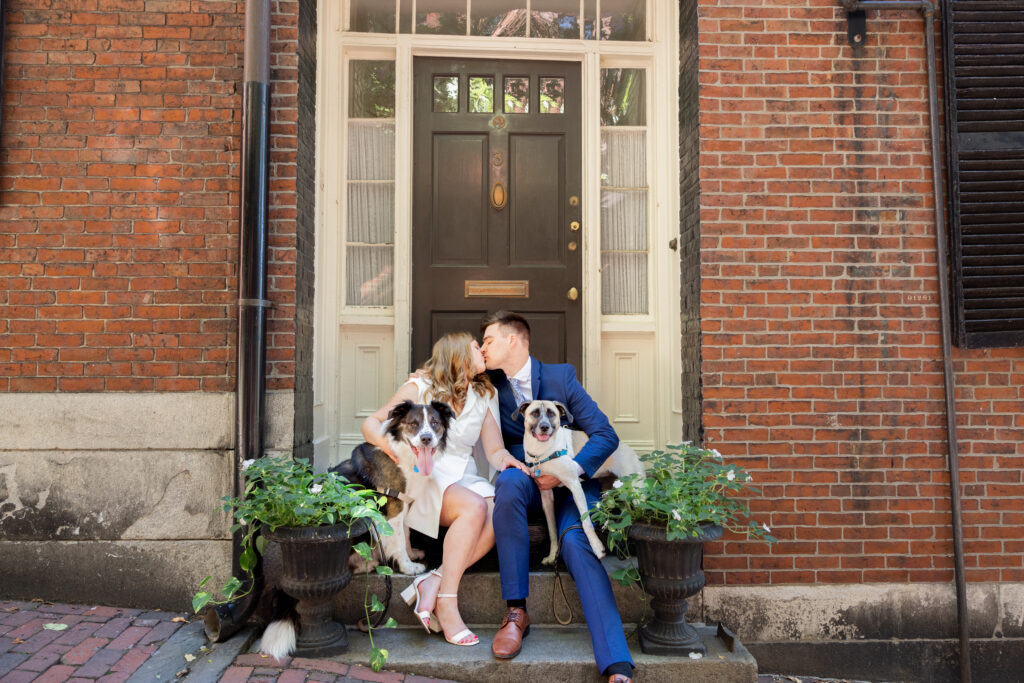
x=559, y=19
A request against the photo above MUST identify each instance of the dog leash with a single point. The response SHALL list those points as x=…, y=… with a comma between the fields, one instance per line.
x=558, y=580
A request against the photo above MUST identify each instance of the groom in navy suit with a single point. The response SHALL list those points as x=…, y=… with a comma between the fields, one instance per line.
x=520, y=378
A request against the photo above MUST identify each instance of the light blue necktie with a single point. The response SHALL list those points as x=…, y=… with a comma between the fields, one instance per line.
x=516, y=391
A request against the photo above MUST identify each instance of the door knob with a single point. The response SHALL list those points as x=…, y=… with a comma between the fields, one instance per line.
x=573, y=294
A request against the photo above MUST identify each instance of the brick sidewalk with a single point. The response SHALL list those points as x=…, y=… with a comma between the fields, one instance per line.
x=255, y=667
x=96, y=643
x=110, y=643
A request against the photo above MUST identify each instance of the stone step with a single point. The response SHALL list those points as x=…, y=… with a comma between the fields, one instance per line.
x=480, y=599
x=550, y=653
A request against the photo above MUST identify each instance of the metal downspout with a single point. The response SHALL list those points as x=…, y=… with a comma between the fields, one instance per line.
x=927, y=10
x=224, y=620
x=252, y=246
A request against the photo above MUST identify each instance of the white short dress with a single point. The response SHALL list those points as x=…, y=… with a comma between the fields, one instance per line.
x=456, y=465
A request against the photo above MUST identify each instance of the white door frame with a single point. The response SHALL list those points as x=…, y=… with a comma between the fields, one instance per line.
x=335, y=427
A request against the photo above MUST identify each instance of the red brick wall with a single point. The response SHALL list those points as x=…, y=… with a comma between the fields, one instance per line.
x=119, y=195
x=822, y=366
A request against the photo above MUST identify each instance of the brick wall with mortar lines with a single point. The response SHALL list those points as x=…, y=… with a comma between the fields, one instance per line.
x=119, y=195
x=822, y=366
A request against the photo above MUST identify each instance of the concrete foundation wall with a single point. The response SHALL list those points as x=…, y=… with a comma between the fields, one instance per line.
x=116, y=498
x=890, y=632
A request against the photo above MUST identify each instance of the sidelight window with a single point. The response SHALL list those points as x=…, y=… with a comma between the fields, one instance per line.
x=369, y=244
x=624, y=191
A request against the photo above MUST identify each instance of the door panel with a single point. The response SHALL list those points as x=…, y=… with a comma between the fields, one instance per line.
x=460, y=208
x=535, y=212
x=496, y=196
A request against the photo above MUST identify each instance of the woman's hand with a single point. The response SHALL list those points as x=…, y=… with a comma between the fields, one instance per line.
x=386, y=449
x=508, y=461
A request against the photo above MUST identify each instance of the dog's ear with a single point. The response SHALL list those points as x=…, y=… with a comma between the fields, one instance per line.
x=564, y=411
x=444, y=411
x=520, y=409
x=399, y=412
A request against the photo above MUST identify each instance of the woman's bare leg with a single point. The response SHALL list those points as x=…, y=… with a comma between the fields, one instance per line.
x=470, y=536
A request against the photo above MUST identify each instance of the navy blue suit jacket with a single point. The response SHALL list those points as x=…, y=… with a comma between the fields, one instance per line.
x=557, y=382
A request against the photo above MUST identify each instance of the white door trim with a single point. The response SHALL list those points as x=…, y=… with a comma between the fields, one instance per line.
x=660, y=325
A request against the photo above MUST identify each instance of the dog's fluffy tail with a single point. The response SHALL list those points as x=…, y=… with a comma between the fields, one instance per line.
x=279, y=637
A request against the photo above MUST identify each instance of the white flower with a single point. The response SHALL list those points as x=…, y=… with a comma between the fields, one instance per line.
x=676, y=515
x=686, y=443
x=717, y=454
x=767, y=530
x=316, y=488
x=242, y=521
x=617, y=484
x=730, y=475
x=750, y=478
x=247, y=463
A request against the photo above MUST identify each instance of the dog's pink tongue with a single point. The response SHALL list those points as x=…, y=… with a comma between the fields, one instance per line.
x=425, y=460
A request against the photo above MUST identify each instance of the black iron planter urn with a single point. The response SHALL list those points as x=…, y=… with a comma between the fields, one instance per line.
x=671, y=572
x=314, y=569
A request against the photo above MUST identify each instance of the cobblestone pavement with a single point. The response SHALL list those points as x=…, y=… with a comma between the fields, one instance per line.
x=52, y=642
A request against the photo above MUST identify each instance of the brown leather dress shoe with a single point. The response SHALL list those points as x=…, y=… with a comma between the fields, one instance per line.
x=515, y=626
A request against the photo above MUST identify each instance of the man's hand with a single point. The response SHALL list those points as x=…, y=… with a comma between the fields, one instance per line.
x=547, y=481
x=510, y=461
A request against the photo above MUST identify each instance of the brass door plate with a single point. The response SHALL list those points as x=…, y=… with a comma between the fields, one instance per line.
x=498, y=289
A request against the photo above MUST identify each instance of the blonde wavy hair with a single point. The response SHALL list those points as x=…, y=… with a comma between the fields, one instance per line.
x=450, y=371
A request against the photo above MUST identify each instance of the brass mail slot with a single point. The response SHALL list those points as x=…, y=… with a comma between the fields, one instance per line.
x=506, y=289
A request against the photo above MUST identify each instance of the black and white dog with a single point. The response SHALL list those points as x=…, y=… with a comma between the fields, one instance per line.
x=549, y=449
x=416, y=433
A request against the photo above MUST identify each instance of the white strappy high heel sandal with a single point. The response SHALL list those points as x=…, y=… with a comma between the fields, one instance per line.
x=412, y=597
x=461, y=635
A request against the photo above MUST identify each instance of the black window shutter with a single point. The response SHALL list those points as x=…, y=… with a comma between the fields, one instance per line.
x=984, y=66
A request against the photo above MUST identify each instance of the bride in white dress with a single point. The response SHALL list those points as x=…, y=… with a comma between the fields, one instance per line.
x=454, y=495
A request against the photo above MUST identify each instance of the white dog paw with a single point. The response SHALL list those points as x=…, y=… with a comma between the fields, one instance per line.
x=550, y=560
x=416, y=554
x=598, y=550
x=412, y=569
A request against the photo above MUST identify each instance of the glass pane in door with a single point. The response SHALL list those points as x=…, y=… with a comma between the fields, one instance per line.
x=517, y=95
x=481, y=94
x=446, y=93
x=552, y=96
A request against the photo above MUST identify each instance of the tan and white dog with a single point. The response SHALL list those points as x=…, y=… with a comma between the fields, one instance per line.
x=549, y=448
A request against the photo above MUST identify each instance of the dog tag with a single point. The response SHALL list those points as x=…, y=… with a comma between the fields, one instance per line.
x=536, y=472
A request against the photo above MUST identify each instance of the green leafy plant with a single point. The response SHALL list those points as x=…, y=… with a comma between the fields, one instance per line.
x=683, y=488
x=285, y=492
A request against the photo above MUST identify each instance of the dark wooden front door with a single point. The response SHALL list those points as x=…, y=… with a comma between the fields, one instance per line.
x=497, y=201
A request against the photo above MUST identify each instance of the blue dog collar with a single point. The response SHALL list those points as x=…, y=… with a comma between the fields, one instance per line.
x=556, y=454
